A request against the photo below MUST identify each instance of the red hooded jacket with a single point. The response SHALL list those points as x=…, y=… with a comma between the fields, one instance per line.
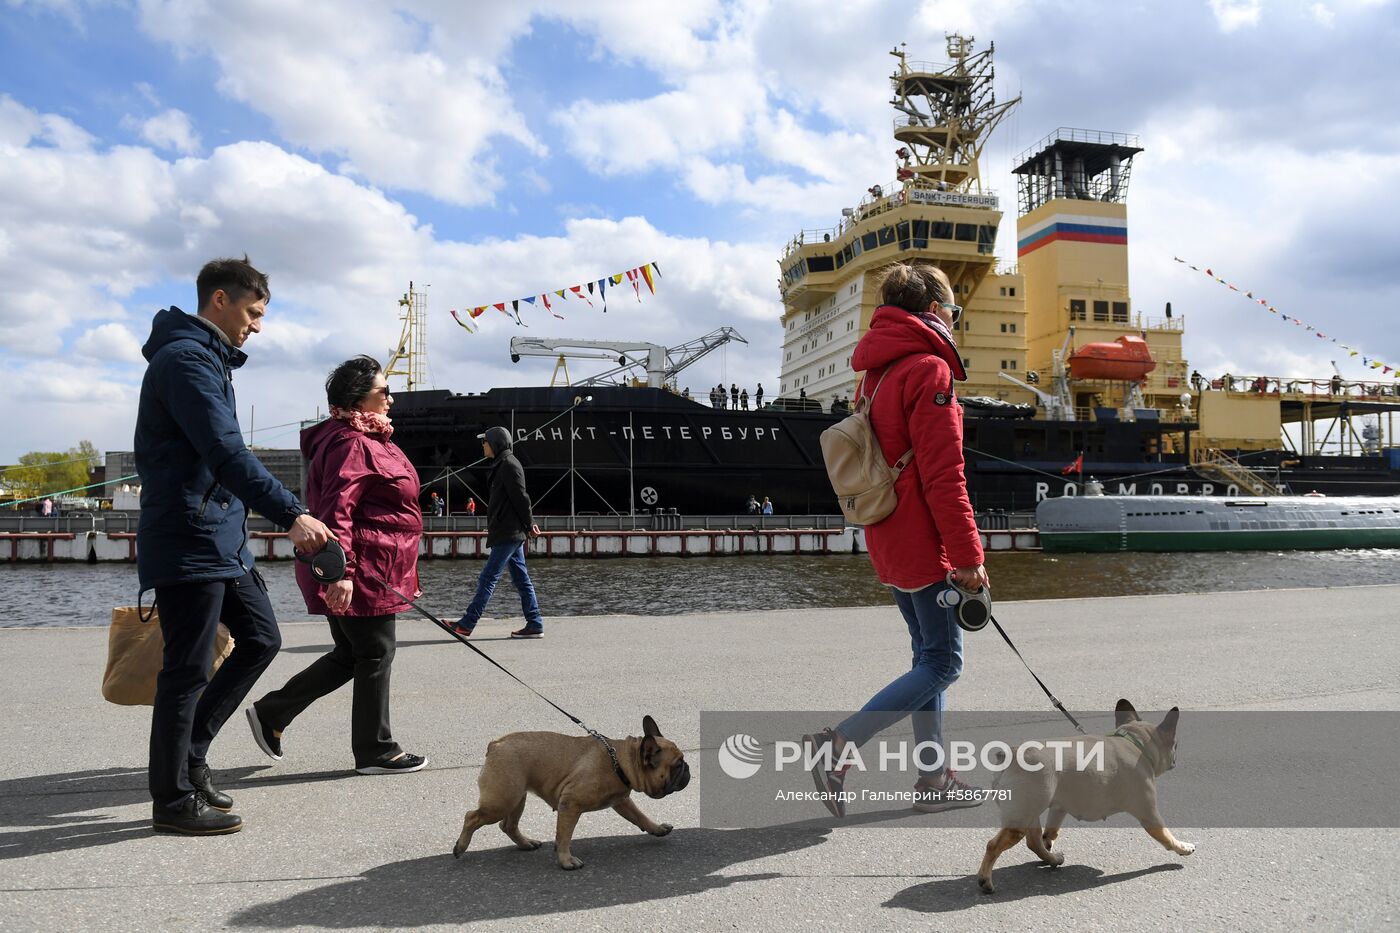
x=931, y=531
x=366, y=491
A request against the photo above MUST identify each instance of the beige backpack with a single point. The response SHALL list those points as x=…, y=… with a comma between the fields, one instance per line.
x=863, y=481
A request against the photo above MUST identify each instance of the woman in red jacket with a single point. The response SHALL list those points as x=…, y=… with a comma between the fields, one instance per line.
x=367, y=492
x=910, y=353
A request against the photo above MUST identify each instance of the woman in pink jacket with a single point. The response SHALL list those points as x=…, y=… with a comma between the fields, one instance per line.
x=366, y=491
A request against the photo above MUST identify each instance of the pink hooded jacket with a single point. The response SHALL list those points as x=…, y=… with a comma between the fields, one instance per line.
x=366, y=491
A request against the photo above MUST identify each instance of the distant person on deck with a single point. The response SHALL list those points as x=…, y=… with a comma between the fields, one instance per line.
x=752, y=505
x=767, y=506
x=744, y=399
x=758, y=397
x=46, y=508
x=734, y=394
x=509, y=525
x=910, y=356
x=435, y=503
x=471, y=506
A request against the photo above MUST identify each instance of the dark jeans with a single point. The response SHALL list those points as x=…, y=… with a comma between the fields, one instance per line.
x=507, y=555
x=364, y=653
x=190, y=708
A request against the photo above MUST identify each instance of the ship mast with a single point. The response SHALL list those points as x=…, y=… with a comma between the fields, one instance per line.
x=412, y=353
x=949, y=115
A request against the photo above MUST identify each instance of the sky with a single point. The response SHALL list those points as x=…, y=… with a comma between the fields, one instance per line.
x=492, y=150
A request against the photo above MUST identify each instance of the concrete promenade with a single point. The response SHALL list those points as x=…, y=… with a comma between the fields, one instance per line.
x=325, y=848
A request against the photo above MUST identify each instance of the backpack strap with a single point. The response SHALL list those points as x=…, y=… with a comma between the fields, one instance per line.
x=869, y=401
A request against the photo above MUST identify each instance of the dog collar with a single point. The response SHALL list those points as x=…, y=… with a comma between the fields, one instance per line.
x=1134, y=739
x=617, y=766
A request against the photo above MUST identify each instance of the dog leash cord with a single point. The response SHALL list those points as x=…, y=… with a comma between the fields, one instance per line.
x=1053, y=699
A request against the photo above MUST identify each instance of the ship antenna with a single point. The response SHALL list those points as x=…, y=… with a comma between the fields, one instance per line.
x=411, y=356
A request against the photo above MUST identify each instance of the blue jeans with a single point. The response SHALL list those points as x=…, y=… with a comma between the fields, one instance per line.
x=938, y=659
x=510, y=554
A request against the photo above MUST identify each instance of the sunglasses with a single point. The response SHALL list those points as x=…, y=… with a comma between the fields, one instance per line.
x=955, y=310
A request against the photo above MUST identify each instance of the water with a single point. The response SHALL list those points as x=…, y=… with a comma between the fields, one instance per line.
x=81, y=594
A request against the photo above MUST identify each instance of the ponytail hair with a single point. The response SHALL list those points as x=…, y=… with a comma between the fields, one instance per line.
x=914, y=287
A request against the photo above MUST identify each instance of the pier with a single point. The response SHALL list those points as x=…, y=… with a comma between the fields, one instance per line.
x=325, y=848
x=88, y=538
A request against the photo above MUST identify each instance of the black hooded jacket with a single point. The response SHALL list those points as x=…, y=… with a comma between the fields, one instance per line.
x=508, y=516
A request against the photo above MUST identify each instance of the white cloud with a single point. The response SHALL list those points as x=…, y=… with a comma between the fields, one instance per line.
x=1231, y=15
x=170, y=129
x=110, y=341
x=402, y=113
x=1323, y=14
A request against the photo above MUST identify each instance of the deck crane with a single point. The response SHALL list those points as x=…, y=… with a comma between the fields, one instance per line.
x=662, y=364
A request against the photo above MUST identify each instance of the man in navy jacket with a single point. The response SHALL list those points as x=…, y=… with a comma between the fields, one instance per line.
x=198, y=479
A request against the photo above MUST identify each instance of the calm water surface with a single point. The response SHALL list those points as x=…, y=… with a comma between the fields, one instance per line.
x=80, y=594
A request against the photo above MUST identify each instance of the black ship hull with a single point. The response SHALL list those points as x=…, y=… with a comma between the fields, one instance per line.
x=640, y=449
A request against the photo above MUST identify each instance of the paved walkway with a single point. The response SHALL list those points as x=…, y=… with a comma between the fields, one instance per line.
x=325, y=848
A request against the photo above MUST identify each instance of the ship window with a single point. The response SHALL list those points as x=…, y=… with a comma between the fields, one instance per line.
x=847, y=253
x=1076, y=309
x=1120, y=312
x=965, y=232
x=840, y=260
x=855, y=247
x=942, y=230
x=820, y=264
x=986, y=238
x=870, y=240
x=1100, y=310
x=886, y=236
x=920, y=229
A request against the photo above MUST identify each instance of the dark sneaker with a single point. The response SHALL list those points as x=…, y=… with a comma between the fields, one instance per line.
x=270, y=744
x=948, y=793
x=203, y=780
x=194, y=818
x=830, y=783
x=463, y=627
x=403, y=764
x=529, y=631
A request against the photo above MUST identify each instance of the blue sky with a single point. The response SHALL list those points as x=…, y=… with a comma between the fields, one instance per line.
x=495, y=150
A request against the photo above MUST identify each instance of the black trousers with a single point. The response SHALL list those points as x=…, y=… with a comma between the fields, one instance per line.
x=190, y=708
x=364, y=653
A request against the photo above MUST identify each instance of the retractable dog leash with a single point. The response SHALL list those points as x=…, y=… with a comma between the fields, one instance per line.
x=973, y=610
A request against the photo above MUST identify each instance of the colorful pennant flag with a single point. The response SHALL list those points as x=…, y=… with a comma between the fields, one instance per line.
x=647, y=272
x=1365, y=360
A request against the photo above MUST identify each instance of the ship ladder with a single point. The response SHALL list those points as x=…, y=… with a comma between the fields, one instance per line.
x=1218, y=465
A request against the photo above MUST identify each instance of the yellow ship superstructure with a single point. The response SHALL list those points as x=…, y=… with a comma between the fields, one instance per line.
x=936, y=211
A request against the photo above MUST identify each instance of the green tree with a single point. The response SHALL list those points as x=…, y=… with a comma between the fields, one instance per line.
x=40, y=472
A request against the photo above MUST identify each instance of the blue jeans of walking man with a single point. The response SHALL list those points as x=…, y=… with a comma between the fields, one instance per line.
x=937, y=644
x=509, y=555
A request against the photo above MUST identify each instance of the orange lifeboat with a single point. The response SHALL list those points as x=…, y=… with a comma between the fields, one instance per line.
x=1126, y=359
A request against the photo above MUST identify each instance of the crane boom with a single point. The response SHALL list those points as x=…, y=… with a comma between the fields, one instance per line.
x=662, y=363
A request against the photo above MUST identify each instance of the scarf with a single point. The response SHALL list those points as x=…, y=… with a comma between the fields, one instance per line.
x=366, y=422
x=935, y=323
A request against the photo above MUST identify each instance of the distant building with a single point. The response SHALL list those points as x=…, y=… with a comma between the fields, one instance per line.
x=283, y=463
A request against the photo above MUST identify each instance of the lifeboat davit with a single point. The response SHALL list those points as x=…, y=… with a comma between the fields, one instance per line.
x=1126, y=359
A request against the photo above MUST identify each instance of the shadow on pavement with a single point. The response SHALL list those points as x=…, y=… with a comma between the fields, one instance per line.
x=60, y=812
x=1014, y=882
x=496, y=881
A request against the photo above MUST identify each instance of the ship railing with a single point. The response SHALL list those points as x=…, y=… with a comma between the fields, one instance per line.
x=816, y=235
x=1217, y=464
x=1335, y=387
x=1076, y=135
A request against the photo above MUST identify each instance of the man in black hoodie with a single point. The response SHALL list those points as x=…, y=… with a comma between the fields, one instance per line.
x=509, y=524
x=197, y=481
